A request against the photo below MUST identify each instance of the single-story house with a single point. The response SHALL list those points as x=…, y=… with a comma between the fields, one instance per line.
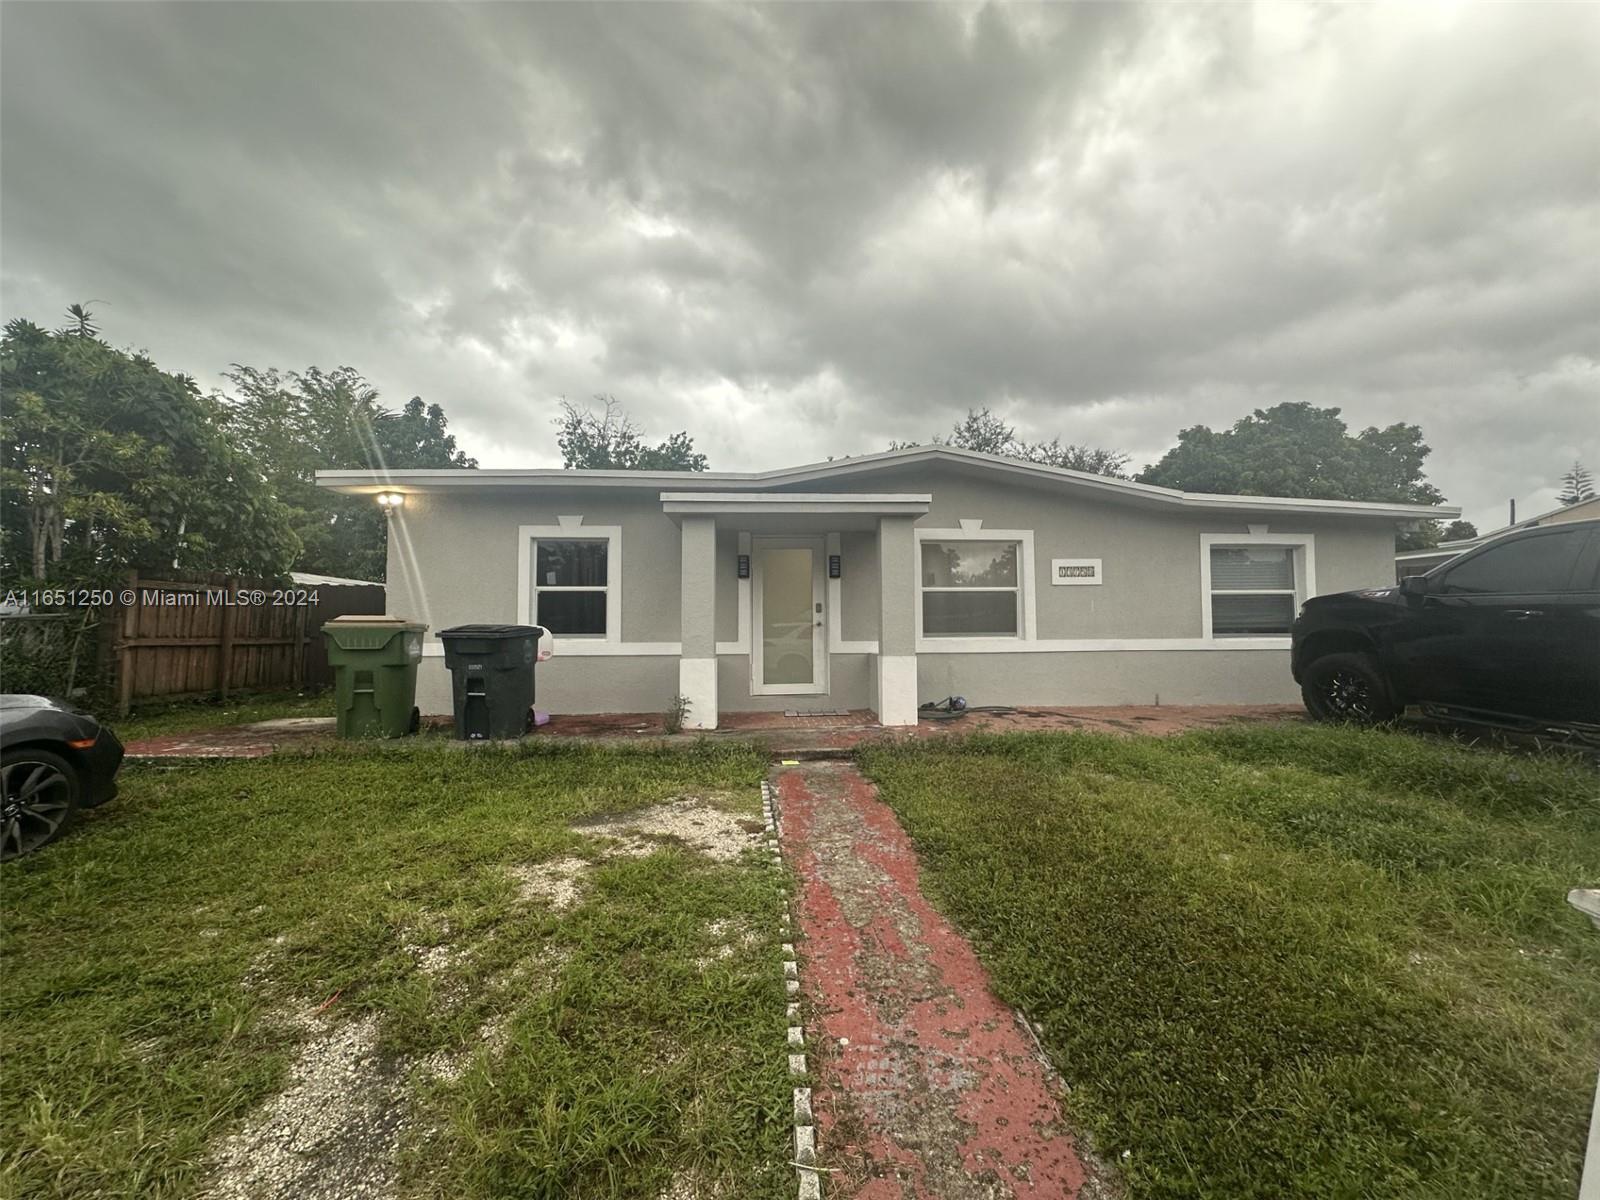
x=1420, y=562
x=876, y=582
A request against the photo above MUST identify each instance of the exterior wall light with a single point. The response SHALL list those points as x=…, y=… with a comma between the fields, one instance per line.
x=390, y=501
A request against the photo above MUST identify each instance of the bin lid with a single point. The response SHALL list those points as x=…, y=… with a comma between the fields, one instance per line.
x=355, y=631
x=491, y=631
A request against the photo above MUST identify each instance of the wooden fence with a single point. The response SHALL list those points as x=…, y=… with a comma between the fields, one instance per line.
x=182, y=635
x=216, y=634
x=205, y=634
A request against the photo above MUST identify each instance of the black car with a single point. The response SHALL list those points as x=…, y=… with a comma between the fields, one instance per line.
x=54, y=760
x=1506, y=634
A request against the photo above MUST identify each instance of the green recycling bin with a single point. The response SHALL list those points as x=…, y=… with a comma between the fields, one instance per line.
x=374, y=661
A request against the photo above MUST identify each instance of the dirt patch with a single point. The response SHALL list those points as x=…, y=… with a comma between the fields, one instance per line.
x=717, y=834
x=696, y=822
x=727, y=938
x=331, y=1134
x=261, y=965
x=429, y=946
x=685, y=1186
x=557, y=882
x=533, y=974
x=451, y=1065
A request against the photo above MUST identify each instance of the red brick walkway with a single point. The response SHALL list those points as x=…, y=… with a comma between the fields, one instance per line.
x=926, y=1085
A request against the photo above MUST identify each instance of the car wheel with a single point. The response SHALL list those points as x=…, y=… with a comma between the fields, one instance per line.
x=41, y=796
x=1349, y=689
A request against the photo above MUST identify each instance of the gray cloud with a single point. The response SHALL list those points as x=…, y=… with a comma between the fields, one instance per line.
x=804, y=230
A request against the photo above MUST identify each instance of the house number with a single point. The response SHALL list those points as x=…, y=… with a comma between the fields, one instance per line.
x=1065, y=571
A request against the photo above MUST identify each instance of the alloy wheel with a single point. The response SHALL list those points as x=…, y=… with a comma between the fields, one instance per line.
x=38, y=798
x=1348, y=695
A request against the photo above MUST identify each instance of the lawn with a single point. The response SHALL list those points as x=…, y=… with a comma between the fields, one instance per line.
x=433, y=949
x=1284, y=962
x=188, y=716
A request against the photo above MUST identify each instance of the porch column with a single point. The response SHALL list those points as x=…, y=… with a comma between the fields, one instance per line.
x=897, y=635
x=697, y=666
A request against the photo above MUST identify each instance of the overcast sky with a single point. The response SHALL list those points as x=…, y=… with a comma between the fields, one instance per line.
x=807, y=230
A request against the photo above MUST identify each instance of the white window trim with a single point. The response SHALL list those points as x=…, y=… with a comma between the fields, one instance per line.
x=1304, y=547
x=568, y=643
x=1027, y=627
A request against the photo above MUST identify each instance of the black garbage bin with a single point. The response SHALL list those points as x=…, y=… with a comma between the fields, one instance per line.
x=491, y=668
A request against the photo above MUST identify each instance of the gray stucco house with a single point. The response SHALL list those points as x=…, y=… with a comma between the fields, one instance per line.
x=875, y=582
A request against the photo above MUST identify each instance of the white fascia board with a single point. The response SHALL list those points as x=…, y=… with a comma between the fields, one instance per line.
x=434, y=479
x=362, y=482
x=805, y=503
x=1291, y=504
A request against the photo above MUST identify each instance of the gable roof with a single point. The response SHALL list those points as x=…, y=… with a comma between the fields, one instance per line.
x=971, y=461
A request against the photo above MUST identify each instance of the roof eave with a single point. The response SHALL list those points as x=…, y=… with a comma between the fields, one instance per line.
x=368, y=482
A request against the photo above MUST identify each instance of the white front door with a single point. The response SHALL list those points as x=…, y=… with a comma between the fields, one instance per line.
x=789, y=646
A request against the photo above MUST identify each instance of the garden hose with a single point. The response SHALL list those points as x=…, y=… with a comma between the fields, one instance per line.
x=953, y=708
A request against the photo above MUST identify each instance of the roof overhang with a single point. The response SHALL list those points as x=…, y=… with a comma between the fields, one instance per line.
x=798, y=512
x=779, y=481
x=810, y=504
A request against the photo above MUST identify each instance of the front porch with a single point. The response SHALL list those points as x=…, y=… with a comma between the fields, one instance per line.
x=791, y=653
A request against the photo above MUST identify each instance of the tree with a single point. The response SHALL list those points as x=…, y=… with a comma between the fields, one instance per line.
x=1579, y=485
x=110, y=463
x=983, y=431
x=1296, y=449
x=293, y=424
x=1425, y=535
x=81, y=322
x=609, y=441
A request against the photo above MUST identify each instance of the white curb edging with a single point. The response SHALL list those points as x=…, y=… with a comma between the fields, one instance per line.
x=805, y=1132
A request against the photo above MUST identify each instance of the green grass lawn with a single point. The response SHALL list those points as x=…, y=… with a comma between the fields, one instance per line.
x=165, y=963
x=1284, y=962
x=189, y=716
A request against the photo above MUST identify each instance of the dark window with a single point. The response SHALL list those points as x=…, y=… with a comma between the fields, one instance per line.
x=570, y=564
x=1252, y=568
x=1250, y=616
x=1252, y=590
x=969, y=564
x=970, y=589
x=573, y=613
x=1523, y=567
x=569, y=579
x=969, y=613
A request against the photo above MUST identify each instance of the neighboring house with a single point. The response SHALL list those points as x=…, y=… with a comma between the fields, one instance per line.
x=875, y=582
x=1420, y=562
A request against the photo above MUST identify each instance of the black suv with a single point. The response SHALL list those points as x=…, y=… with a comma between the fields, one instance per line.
x=1507, y=634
